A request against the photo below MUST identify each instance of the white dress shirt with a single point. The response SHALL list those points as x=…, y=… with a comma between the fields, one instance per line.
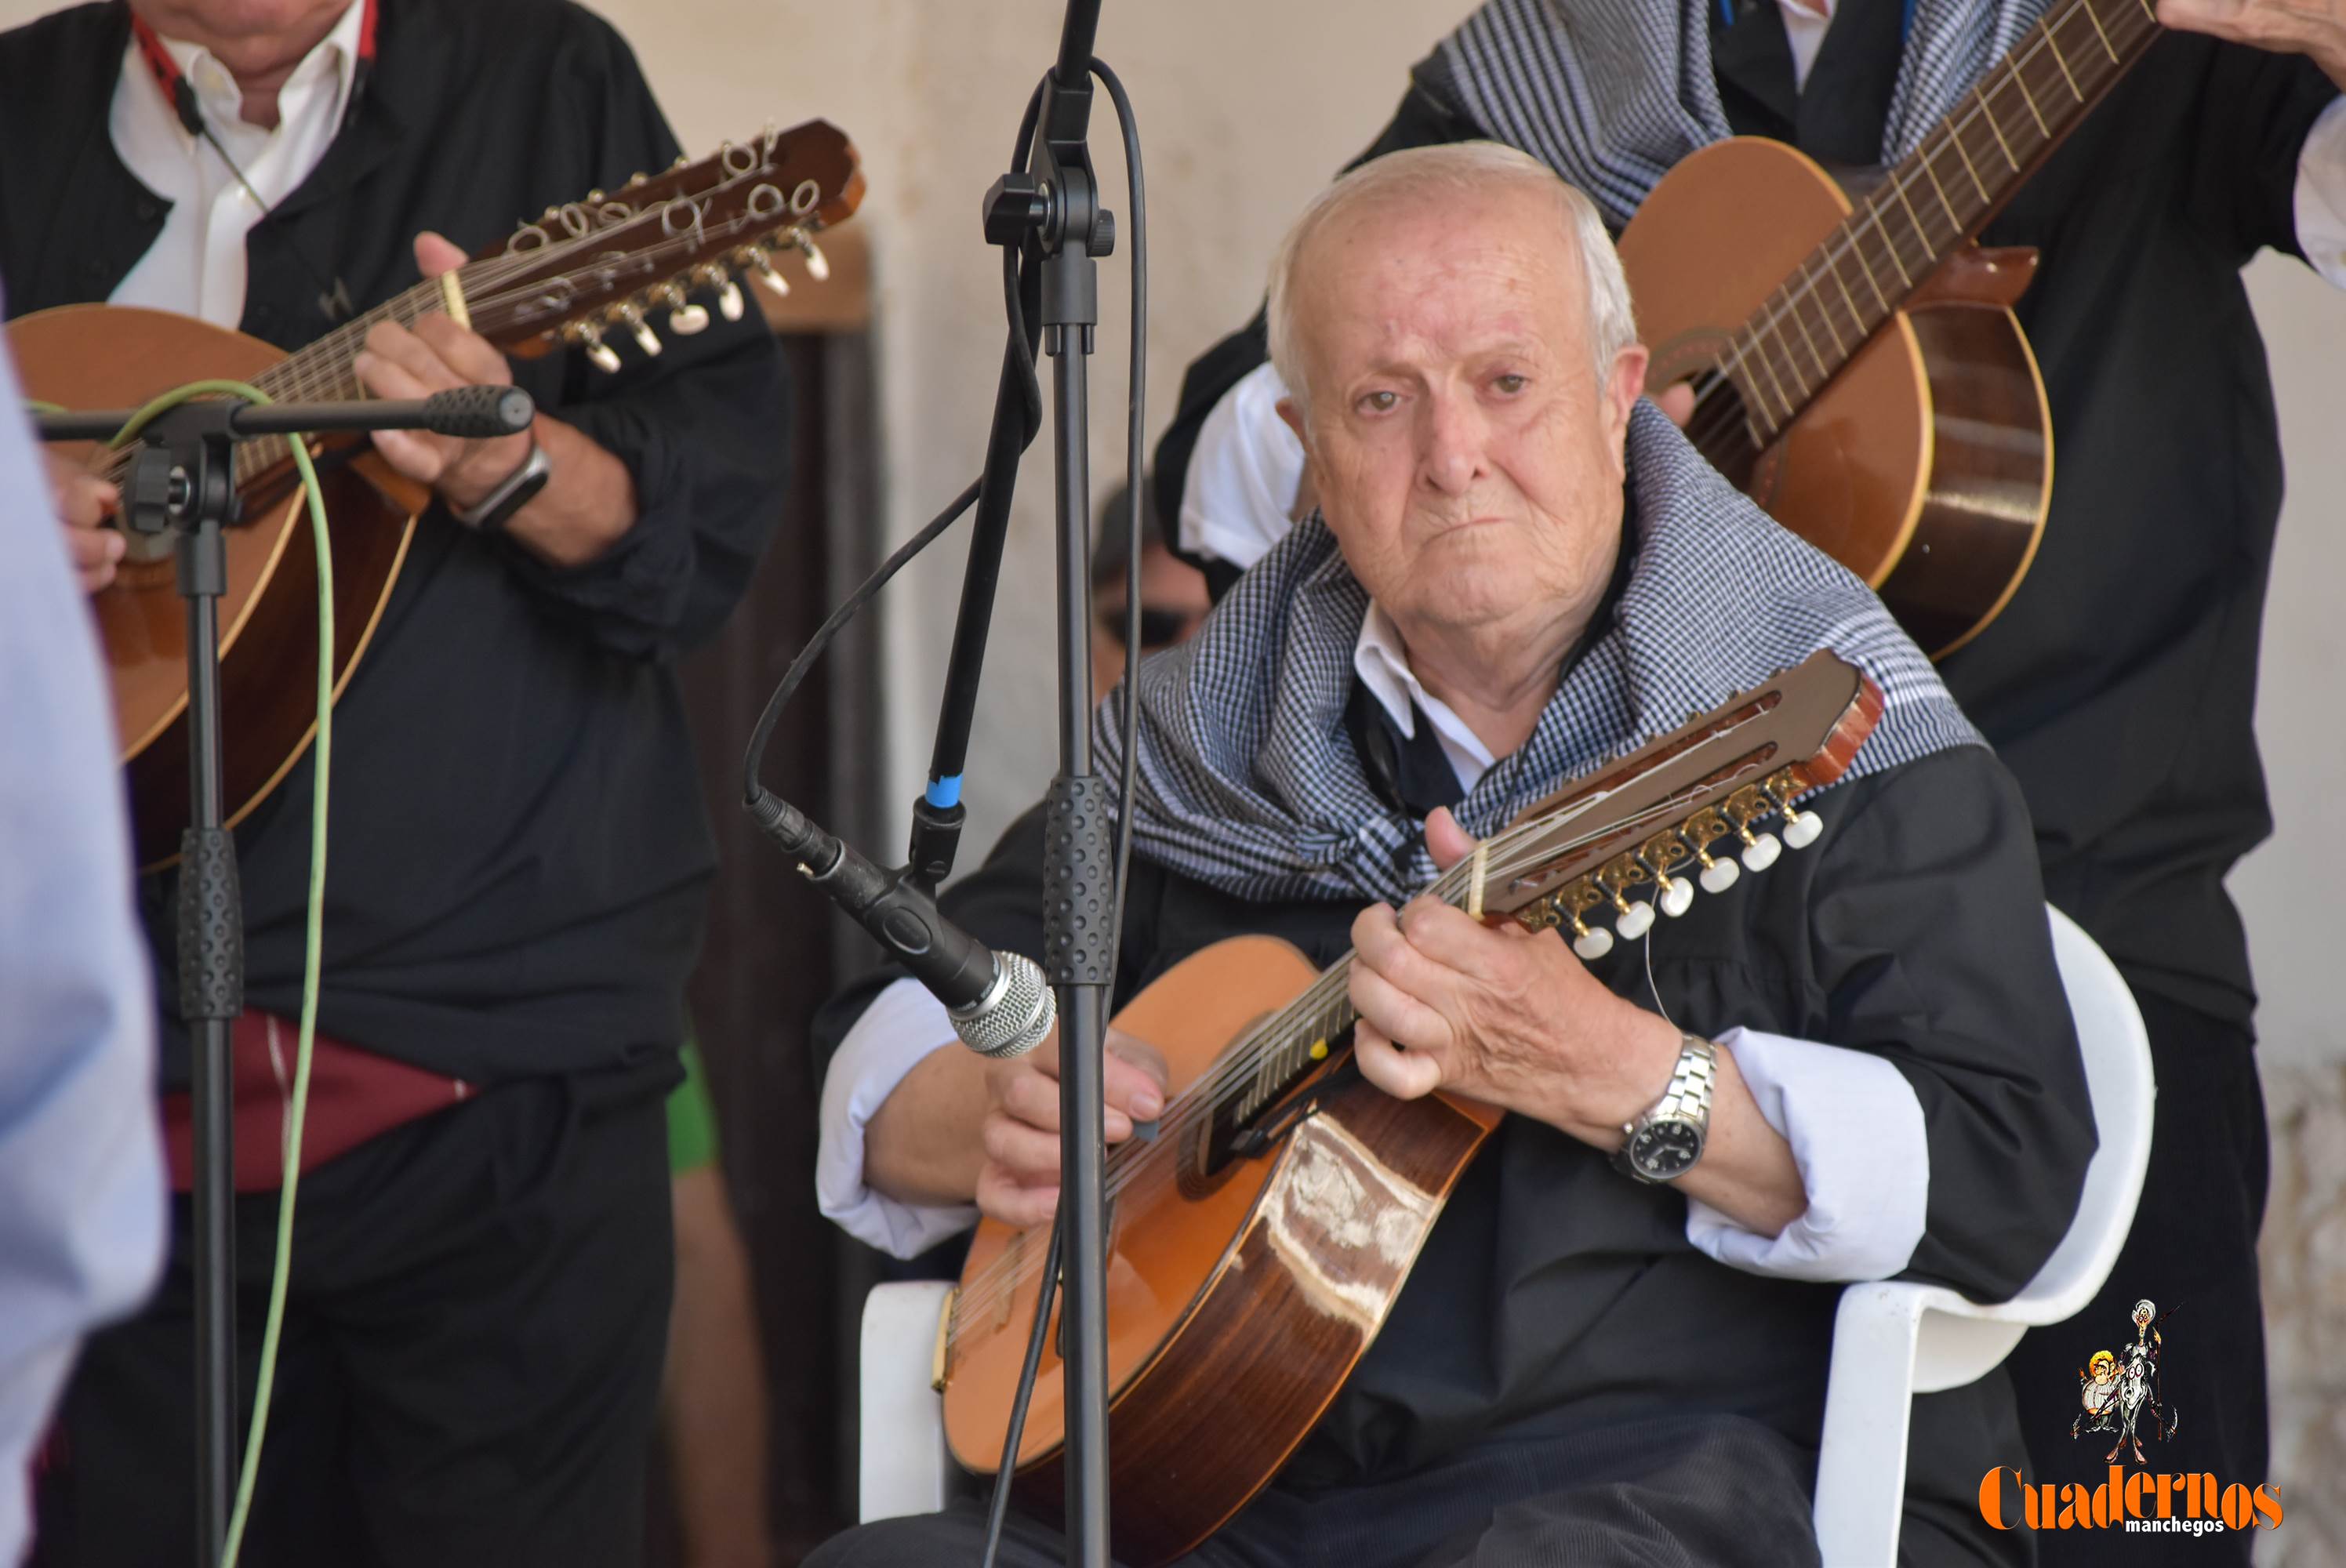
x=197, y=265
x=1854, y=1122
x=81, y=1159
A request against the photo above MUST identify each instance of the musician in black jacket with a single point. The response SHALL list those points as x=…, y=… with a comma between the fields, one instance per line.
x=517, y=855
x=2118, y=684
x=1520, y=570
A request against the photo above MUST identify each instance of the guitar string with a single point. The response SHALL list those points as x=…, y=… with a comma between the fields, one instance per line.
x=1297, y=1024
x=1847, y=235
x=2044, y=36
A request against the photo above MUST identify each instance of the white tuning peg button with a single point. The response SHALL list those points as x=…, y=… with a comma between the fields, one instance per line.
x=1635, y=921
x=818, y=264
x=1677, y=897
x=728, y=301
x=1718, y=876
x=1593, y=943
x=1761, y=852
x=602, y=355
x=647, y=339
x=764, y=269
x=1801, y=832
x=687, y=320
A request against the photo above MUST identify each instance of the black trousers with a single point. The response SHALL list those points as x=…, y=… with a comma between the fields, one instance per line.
x=1670, y=1492
x=2192, y=1253
x=471, y=1356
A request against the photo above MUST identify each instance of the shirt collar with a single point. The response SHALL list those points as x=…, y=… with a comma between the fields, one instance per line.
x=1381, y=660
x=335, y=60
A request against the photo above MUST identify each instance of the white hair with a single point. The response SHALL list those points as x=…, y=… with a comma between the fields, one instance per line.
x=1457, y=169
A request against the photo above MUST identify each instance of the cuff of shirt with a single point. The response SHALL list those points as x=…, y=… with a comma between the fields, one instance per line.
x=1243, y=475
x=2321, y=194
x=903, y=1024
x=1857, y=1134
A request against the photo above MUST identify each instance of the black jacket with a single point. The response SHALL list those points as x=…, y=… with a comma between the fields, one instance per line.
x=517, y=855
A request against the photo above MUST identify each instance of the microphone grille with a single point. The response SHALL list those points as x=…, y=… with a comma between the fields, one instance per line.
x=1014, y=1015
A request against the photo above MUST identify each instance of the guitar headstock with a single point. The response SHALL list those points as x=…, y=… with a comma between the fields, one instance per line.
x=604, y=264
x=1717, y=781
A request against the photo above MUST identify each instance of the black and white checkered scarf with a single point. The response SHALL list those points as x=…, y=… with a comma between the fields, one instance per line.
x=1611, y=94
x=1250, y=783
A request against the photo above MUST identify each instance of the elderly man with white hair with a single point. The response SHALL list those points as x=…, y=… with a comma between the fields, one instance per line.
x=1518, y=570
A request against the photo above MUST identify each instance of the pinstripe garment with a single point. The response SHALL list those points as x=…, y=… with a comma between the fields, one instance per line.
x=1611, y=94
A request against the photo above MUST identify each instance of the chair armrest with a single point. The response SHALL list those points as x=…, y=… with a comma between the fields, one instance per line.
x=902, y=1459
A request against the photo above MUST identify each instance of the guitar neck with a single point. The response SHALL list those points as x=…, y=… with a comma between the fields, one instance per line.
x=1932, y=203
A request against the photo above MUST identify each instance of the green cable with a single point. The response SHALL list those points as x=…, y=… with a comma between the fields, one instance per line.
x=312, y=937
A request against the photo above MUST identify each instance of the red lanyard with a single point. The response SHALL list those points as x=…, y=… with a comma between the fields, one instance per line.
x=180, y=96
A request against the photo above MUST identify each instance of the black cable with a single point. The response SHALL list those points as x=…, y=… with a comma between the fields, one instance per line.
x=998, y=1508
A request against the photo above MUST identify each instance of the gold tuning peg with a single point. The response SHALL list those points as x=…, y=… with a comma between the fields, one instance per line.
x=1802, y=829
x=599, y=354
x=1577, y=899
x=684, y=317
x=1745, y=807
x=761, y=265
x=1619, y=874
x=709, y=274
x=632, y=317
x=818, y=264
x=1660, y=855
x=1702, y=829
x=636, y=179
x=681, y=159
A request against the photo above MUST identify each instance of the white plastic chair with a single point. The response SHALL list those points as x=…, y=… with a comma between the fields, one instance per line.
x=1891, y=1341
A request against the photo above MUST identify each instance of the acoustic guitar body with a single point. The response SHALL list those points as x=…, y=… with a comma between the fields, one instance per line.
x=113, y=356
x=1255, y=1291
x=1925, y=464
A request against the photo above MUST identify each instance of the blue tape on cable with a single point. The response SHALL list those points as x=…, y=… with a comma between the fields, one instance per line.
x=944, y=793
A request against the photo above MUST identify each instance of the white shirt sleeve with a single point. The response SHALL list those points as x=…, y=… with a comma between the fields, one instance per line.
x=1243, y=475
x=2321, y=194
x=1857, y=1134
x=896, y=1032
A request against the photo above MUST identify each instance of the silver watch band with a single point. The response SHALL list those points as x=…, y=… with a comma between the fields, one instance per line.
x=534, y=471
x=1688, y=1094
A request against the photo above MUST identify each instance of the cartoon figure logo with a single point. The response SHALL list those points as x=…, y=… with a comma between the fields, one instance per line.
x=2116, y=1393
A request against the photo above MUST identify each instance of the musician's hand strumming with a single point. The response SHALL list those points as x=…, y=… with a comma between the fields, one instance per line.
x=1019, y=1184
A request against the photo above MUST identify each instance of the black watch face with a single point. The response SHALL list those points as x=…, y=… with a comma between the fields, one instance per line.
x=1662, y=1150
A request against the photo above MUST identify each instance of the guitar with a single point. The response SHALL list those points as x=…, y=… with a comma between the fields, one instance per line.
x=1258, y=1241
x=1857, y=368
x=593, y=268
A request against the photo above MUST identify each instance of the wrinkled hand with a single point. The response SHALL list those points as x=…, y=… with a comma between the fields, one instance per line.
x=1498, y=1014
x=2316, y=29
x=84, y=502
x=1019, y=1184
x=437, y=355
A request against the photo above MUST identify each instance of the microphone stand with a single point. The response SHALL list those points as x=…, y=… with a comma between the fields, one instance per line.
x=1054, y=207
x=183, y=479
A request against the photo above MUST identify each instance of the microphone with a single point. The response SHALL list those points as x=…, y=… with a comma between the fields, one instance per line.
x=998, y=1002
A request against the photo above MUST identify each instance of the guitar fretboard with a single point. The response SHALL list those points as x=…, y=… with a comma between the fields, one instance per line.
x=1935, y=199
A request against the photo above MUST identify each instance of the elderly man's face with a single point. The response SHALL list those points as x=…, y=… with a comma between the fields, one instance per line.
x=1467, y=458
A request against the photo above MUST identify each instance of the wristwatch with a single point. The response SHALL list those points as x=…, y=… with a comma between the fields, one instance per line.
x=1664, y=1143
x=509, y=497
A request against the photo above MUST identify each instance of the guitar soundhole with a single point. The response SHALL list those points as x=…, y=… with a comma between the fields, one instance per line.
x=1720, y=429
